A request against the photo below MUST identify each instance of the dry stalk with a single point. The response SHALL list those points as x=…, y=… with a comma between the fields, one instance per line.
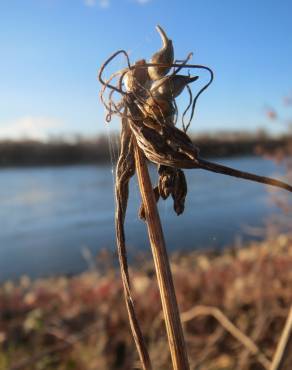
x=230, y=327
x=282, y=359
x=164, y=277
x=148, y=110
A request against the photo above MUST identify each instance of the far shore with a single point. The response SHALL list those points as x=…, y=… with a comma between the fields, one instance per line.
x=98, y=150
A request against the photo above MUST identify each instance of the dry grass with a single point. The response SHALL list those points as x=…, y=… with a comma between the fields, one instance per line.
x=81, y=322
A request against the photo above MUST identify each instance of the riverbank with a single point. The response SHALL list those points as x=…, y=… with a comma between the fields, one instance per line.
x=97, y=150
x=81, y=323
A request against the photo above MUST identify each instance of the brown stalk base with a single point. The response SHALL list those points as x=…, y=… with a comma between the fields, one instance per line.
x=164, y=277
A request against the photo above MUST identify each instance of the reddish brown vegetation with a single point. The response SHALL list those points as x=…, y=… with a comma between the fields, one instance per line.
x=81, y=322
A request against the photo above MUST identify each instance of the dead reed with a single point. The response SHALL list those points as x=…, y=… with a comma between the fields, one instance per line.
x=149, y=113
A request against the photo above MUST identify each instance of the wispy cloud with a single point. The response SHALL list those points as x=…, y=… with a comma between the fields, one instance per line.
x=142, y=2
x=100, y=3
x=90, y=3
x=104, y=3
x=31, y=127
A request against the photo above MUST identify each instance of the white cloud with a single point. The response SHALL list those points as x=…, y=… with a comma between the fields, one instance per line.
x=101, y=3
x=31, y=127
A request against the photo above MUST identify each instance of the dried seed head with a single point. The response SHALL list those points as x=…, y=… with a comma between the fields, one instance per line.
x=164, y=56
x=161, y=110
x=172, y=182
x=137, y=79
x=171, y=86
x=179, y=192
x=166, y=181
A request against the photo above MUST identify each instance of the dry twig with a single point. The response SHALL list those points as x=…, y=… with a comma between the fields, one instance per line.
x=282, y=359
x=169, y=305
x=230, y=327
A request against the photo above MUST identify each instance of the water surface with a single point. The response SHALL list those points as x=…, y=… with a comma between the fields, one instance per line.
x=48, y=215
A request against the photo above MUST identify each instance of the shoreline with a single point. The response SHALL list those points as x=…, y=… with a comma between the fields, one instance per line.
x=29, y=153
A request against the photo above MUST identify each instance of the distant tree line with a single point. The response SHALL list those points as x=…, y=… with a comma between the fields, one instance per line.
x=62, y=152
x=32, y=153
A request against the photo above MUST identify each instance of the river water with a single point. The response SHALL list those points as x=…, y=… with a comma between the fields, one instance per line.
x=49, y=215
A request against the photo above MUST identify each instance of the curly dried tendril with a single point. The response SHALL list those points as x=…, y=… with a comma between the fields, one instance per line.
x=118, y=88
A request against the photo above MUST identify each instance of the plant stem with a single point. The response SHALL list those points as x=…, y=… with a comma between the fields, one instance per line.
x=283, y=355
x=164, y=277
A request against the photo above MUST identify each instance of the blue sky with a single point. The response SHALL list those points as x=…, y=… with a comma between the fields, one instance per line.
x=51, y=51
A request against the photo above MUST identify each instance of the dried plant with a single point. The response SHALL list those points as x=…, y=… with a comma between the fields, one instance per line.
x=78, y=322
x=149, y=113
